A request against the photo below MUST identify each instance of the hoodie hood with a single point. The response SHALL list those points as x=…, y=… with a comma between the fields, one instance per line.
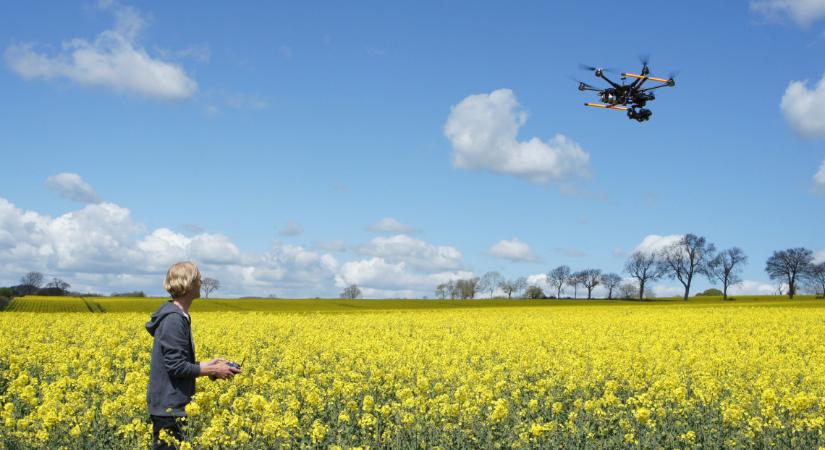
x=165, y=309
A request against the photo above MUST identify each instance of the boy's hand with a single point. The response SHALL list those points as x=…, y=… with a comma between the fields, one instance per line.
x=218, y=368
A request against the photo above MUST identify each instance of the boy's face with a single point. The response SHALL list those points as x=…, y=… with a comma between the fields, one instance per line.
x=197, y=286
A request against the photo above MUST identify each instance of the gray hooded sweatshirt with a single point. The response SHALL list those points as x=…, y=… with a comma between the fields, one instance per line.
x=174, y=368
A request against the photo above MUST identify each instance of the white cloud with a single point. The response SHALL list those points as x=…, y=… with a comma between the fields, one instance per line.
x=390, y=225
x=514, y=250
x=540, y=280
x=751, y=287
x=819, y=256
x=100, y=248
x=114, y=60
x=819, y=179
x=411, y=251
x=292, y=228
x=804, y=108
x=654, y=243
x=72, y=186
x=483, y=130
x=803, y=12
x=377, y=273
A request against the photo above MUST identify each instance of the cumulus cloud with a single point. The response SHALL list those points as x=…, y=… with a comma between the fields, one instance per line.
x=654, y=243
x=751, y=287
x=803, y=12
x=72, y=187
x=413, y=252
x=819, y=257
x=804, y=108
x=100, y=248
x=513, y=250
x=292, y=228
x=819, y=179
x=483, y=130
x=378, y=273
x=390, y=225
x=114, y=60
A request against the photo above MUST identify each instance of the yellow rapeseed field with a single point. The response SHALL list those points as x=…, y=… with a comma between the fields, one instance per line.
x=575, y=376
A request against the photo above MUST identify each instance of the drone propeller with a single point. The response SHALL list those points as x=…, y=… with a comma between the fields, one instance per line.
x=594, y=68
x=644, y=58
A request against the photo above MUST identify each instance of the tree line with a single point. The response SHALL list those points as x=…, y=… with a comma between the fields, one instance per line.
x=684, y=260
x=34, y=283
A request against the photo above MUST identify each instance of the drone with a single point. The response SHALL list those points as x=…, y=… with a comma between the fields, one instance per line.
x=627, y=97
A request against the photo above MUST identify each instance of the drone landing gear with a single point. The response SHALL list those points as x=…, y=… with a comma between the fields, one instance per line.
x=640, y=114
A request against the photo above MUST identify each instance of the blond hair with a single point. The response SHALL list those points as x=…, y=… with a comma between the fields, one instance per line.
x=180, y=279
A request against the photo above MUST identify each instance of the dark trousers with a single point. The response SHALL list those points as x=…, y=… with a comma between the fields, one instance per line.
x=173, y=426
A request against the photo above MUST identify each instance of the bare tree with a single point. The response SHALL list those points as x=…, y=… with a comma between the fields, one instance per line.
x=441, y=291
x=489, y=282
x=576, y=279
x=790, y=266
x=557, y=278
x=534, y=292
x=31, y=282
x=59, y=284
x=726, y=267
x=590, y=279
x=628, y=290
x=817, y=278
x=508, y=287
x=685, y=259
x=611, y=281
x=467, y=288
x=644, y=267
x=520, y=286
x=451, y=289
x=351, y=292
x=209, y=285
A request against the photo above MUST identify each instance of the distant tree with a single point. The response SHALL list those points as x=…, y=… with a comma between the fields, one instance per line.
x=685, y=259
x=575, y=280
x=817, y=278
x=628, y=290
x=31, y=282
x=557, y=278
x=441, y=291
x=466, y=288
x=209, y=285
x=59, y=284
x=781, y=287
x=611, y=281
x=127, y=294
x=452, y=291
x=534, y=292
x=590, y=279
x=351, y=292
x=520, y=285
x=712, y=292
x=790, y=266
x=489, y=282
x=508, y=287
x=725, y=267
x=645, y=268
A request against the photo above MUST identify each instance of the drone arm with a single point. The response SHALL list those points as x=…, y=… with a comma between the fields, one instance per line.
x=654, y=87
x=601, y=75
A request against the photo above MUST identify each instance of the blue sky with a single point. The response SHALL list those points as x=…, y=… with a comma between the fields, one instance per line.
x=268, y=142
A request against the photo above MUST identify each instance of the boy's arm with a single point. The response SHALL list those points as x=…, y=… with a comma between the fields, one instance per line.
x=173, y=343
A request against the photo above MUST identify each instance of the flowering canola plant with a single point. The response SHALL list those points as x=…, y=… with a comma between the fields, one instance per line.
x=528, y=377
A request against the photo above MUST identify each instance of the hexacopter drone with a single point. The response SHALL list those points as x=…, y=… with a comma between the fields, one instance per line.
x=627, y=97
